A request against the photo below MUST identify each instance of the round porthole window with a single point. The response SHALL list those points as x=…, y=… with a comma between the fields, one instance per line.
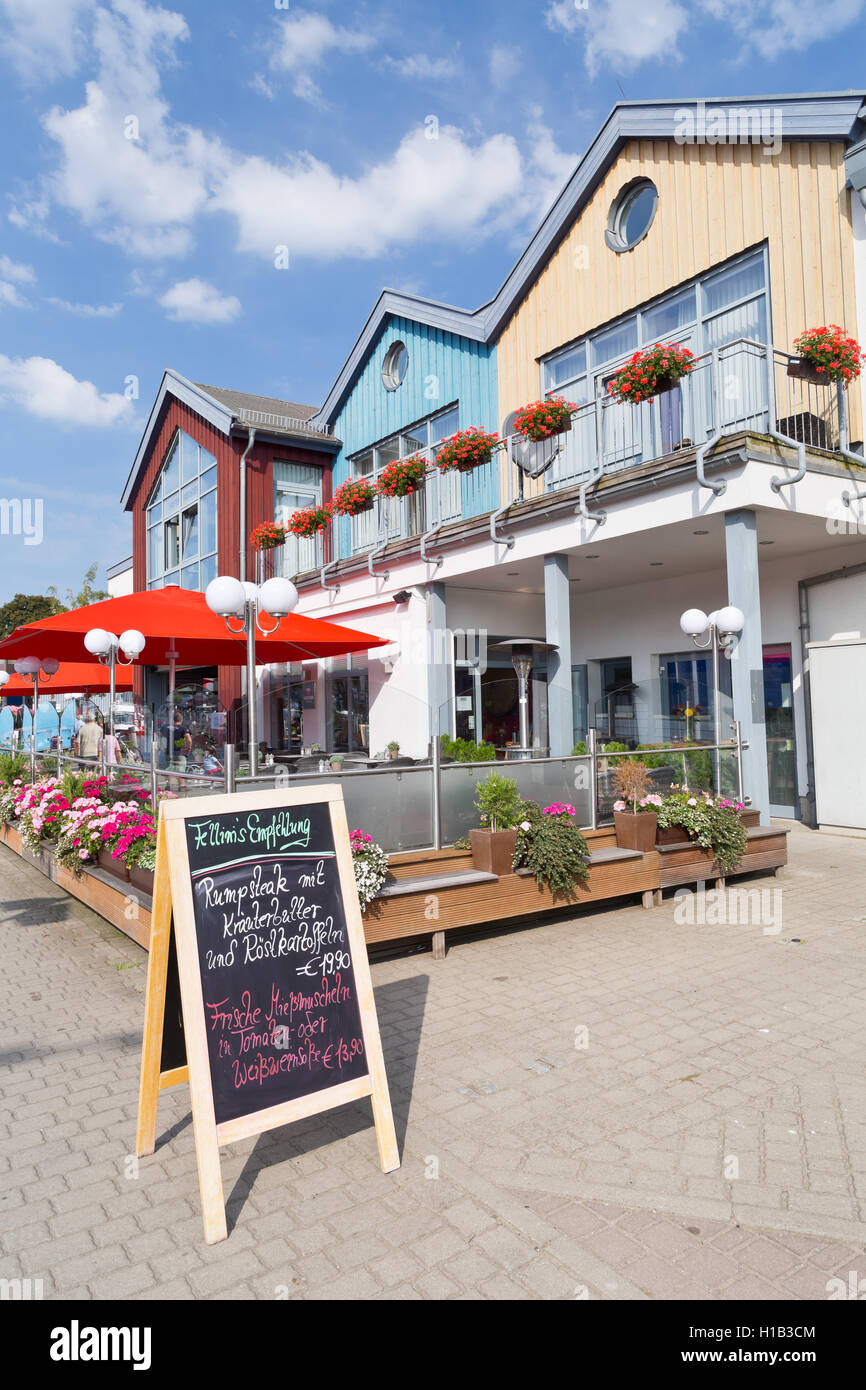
x=631, y=215
x=394, y=366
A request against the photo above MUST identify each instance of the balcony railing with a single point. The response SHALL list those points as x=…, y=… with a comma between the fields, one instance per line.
x=741, y=386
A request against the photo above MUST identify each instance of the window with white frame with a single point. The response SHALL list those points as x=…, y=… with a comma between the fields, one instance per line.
x=716, y=309
x=181, y=517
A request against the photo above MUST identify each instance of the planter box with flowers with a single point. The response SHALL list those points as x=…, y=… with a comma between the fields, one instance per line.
x=466, y=450
x=269, y=536
x=635, y=811
x=713, y=823
x=650, y=372
x=352, y=498
x=499, y=801
x=542, y=419
x=402, y=477
x=826, y=354
x=308, y=522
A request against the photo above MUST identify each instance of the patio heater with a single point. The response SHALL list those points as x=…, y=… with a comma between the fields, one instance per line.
x=31, y=668
x=523, y=651
x=721, y=627
x=107, y=649
x=243, y=602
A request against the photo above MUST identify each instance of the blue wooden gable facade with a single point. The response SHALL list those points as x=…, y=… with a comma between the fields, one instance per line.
x=449, y=383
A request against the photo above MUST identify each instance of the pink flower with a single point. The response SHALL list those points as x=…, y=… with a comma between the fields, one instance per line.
x=619, y=805
x=691, y=801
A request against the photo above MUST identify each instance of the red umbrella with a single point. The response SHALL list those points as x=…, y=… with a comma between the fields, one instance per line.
x=179, y=619
x=71, y=676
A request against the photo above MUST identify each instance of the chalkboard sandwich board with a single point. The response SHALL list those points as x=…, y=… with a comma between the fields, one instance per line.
x=256, y=919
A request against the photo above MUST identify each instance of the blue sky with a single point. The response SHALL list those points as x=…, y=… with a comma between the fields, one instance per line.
x=154, y=159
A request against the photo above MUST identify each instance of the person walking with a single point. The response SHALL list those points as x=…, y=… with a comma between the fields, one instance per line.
x=89, y=737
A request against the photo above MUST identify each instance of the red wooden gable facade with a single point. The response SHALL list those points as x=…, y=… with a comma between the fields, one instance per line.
x=228, y=451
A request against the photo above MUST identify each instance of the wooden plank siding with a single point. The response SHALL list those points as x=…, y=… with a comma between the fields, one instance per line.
x=228, y=451
x=715, y=201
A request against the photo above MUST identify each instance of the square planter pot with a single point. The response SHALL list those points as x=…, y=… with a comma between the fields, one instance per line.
x=801, y=370
x=666, y=383
x=636, y=831
x=113, y=866
x=493, y=850
x=142, y=879
x=673, y=835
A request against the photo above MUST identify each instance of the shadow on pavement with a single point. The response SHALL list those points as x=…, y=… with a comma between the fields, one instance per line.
x=400, y=1008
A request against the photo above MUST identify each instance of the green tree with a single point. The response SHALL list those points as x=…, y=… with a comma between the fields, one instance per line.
x=88, y=593
x=27, y=608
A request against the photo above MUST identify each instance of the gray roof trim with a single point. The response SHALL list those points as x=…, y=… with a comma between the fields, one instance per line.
x=818, y=116
x=120, y=567
x=218, y=414
x=173, y=384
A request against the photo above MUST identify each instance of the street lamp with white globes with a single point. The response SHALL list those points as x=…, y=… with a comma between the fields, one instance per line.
x=242, y=604
x=107, y=649
x=34, y=668
x=721, y=627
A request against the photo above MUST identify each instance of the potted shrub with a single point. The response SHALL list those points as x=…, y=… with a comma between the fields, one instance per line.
x=634, y=813
x=542, y=419
x=402, y=477
x=651, y=371
x=465, y=450
x=370, y=863
x=308, y=522
x=549, y=844
x=337, y=762
x=499, y=801
x=353, y=497
x=268, y=536
x=713, y=823
x=825, y=354
x=393, y=749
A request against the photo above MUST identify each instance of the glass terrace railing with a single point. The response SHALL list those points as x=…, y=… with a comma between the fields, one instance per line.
x=741, y=386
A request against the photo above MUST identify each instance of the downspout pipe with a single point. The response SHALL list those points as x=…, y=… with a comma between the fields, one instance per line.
x=242, y=538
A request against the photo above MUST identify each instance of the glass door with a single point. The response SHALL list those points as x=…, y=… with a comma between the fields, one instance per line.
x=779, y=714
x=349, y=713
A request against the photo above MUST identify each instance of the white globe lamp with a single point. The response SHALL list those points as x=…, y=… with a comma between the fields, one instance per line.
x=225, y=596
x=278, y=597
x=693, y=622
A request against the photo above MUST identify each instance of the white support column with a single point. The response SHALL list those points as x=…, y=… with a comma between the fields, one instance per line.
x=439, y=690
x=557, y=621
x=747, y=662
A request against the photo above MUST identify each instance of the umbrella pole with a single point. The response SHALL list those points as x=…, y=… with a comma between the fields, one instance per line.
x=33, y=729
x=252, y=720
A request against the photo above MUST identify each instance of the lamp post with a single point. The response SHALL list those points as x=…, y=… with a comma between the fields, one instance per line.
x=31, y=668
x=721, y=626
x=107, y=649
x=243, y=603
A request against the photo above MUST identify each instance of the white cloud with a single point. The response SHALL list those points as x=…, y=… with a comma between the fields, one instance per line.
x=774, y=27
x=44, y=39
x=622, y=33
x=422, y=68
x=45, y=389
x=305, y=41
x=141, y=192
x=443, y=187
x=195, y=301
x=147, y=194
x=10, y=296
x=15, y=270
x=86, y=311
x=505, y=64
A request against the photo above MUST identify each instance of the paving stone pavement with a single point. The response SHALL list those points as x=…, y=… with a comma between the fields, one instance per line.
x=614, y=1105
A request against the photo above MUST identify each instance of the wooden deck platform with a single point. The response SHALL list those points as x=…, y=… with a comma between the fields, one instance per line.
x=431, y=892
